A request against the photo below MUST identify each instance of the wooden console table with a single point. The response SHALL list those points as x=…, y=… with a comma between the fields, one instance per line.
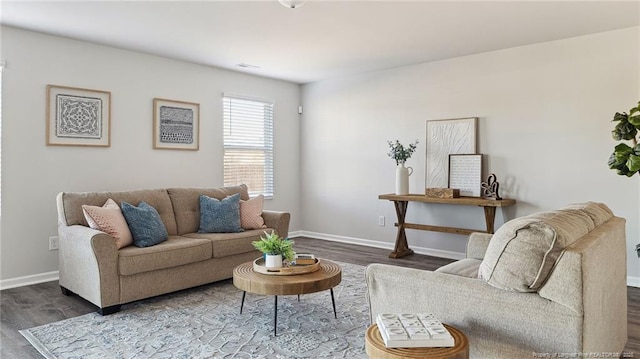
x=401, y=203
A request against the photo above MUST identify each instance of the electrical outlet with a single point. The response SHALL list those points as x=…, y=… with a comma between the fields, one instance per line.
x=381, y=221
x=53, y=243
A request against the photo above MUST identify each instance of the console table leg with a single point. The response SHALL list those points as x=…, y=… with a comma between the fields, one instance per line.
x=401, y=248
x=490, y=217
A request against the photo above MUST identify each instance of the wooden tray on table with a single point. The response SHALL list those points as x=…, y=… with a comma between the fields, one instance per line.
x=258, y=266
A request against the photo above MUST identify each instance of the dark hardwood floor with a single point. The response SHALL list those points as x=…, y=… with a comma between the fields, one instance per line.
x=38, y=304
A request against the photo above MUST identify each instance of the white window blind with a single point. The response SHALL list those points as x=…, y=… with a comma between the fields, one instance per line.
x=248, y=144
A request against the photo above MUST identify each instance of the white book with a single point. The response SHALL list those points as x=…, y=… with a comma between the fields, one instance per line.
x=413, y=331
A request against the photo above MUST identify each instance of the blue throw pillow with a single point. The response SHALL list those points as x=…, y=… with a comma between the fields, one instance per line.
x=145, y=224
x=220, y=216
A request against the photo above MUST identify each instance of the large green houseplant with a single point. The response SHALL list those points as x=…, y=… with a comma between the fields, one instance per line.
x=625, y=159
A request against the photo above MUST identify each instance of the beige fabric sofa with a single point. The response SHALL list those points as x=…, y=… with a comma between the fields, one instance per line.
x=91, y=266
x=552, y=282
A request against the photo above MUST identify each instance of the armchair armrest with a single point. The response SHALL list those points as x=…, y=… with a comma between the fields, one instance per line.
x=278, y=221
x=88, y=264
x=477, y=245
x=488, y=316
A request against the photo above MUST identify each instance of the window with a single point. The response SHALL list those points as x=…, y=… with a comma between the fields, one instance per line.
x=248, y=144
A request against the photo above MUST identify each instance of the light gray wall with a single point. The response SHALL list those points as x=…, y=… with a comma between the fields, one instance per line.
x=33, y=173
x=545, y=125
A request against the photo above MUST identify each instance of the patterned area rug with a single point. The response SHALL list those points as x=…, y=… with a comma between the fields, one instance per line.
x=205, y=322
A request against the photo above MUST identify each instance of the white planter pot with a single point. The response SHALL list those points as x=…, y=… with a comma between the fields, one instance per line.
x=402, y=179
x=273, y=261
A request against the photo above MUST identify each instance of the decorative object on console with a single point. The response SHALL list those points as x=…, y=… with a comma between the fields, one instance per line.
x=275, y=249
x=445, y=137
x=176, y=125
x=78, y=117
x=442, y=192
x=465, y=173
x=490, y=188
x=401, y=154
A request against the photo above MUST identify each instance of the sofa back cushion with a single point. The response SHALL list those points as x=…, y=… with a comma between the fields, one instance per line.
x=157, y=198
x=523, y=252
x=186, y=204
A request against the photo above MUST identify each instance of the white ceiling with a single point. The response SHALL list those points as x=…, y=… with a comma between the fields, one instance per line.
x=322, y=39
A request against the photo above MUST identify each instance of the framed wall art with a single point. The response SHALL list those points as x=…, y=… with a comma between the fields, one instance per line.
x=465, y=173
x=445, y=137
x=176, y=125
x=78, y=117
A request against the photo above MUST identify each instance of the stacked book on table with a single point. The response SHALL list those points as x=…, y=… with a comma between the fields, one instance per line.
x=412, y=331
x=303, y=259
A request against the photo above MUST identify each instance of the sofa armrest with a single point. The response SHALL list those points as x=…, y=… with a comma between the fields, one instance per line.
x=487, y=315
x=477, y=245
x=88, y=264
x=278, y=221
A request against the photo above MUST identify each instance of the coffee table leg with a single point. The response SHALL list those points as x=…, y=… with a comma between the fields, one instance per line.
x=298, y=297
x=244, y=293
x=275, y=316
x=333, y=301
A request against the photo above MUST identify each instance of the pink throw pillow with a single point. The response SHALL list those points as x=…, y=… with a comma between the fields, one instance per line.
x=251, y=213
x=110, y=220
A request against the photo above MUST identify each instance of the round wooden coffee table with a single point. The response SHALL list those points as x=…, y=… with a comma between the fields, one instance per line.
x=246, y=279
x=374, y=345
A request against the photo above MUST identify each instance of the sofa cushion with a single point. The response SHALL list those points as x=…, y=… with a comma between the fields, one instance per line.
x=109, y=219
x=251, y=213
x=145, y=224
x=175, y=251
x=220, y=216
x=522, y=253
x=228, y=244
x=186, y=204
x=467, y=267
x=157, y=198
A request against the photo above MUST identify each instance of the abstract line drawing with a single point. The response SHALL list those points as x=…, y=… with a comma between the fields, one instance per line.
x=78, y=117
x=175, y=124
x=445, y=137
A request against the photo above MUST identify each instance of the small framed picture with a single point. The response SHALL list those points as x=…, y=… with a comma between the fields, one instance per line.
x=78, y=117
x=465, y=173
x=176, y=125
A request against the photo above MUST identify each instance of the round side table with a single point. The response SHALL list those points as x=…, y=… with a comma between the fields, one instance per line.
x=374, y=345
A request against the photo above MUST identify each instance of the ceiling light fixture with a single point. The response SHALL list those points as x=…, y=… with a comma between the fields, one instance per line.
x=292, y=4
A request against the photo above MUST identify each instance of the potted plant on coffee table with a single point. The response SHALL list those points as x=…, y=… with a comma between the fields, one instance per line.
x=275, y=249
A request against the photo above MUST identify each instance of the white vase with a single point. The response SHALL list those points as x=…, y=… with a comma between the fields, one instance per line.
x=402, y=178
x=273, y=260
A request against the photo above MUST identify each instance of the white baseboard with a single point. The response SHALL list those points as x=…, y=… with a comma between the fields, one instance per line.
x=377, y=244
x=633, y=281
x=28, y=280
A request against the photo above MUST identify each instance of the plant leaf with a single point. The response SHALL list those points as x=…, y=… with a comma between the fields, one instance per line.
x=633, y=163
x=635, y=120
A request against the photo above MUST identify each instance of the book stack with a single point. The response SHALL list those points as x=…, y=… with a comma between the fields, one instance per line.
x=412, y=331
x=304, y=259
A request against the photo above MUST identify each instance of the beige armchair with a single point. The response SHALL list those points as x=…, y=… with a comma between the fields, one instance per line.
x=579, y=307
